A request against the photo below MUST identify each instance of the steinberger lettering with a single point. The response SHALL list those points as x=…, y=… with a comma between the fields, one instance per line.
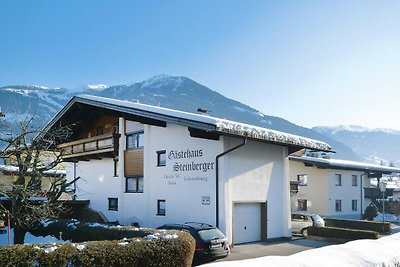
x=205, y=166
x=187, y=154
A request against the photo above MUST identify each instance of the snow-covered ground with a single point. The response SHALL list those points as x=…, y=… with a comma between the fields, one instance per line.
x=382, y=252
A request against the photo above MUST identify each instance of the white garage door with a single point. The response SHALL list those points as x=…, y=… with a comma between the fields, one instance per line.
x=247, y=222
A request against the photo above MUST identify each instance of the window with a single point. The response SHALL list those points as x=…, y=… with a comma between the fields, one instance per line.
x=354, y=180
x=161, y=207
x=135, y=140
x=299, y=218
x=302, y=178
x=115, y=167
x=354, y=204
x=112, y=203
x=134, y=184
x=338, y=205
x=161, y=158
x=302, y=204
x=338, y=179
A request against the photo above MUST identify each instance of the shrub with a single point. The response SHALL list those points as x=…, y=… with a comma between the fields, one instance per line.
x=76, y=231
x=370, y=212
x=128, y=252
x=349, y=234
x=379, y=227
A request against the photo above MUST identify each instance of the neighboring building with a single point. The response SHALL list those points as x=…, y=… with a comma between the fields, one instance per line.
x=9, y=174
x=392, y=187
x=334, y=188
x=151, y=165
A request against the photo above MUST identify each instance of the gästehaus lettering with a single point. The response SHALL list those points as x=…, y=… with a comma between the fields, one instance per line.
x=185, y=154
x=204, y=166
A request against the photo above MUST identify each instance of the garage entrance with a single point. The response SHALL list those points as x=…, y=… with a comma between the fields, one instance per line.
x=249, y=222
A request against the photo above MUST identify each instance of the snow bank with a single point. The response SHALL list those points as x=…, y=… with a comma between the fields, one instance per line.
x=382, y=252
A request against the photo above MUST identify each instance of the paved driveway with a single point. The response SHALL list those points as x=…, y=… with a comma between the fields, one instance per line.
x=277, y=248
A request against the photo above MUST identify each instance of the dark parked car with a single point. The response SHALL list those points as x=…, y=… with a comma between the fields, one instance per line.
x=211, y=243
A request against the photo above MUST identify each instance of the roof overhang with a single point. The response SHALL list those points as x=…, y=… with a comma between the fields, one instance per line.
x=372, y=170
x=199, y=125
x=148, y=117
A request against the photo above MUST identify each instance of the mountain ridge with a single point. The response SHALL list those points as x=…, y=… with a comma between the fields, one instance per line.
x=176, y=92
x=378, y=145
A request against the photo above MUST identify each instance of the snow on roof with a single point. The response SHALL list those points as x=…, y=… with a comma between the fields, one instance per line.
x=260, y=133
x=347, y=164
x=14, y=169
x=219, y=125
x=368, y=252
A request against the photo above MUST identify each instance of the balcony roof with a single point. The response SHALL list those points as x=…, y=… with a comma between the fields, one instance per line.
x=207, y=124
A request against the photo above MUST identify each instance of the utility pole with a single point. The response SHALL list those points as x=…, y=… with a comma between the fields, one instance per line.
x=382, y=187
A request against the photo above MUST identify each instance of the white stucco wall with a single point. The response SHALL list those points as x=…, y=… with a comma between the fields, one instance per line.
x=97, y=183
x=256, y=172
x=346, y=192
x=181, y=189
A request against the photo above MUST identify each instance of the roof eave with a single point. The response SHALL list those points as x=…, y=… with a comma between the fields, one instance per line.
x=329, y=165
x=130, y=111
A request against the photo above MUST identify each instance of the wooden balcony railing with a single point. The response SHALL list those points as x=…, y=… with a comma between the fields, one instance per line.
x=375, y=192
x=93, y=147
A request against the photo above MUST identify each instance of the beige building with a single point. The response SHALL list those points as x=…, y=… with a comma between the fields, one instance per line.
x=332, y=187
x=9, y=174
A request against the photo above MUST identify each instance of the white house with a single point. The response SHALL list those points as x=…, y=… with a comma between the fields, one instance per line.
x=151, y=165
x=334, y=188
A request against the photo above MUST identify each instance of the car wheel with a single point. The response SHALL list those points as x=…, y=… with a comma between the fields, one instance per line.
x=304, y=232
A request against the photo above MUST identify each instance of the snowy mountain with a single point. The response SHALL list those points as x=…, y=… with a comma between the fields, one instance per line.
x=40, y=101
x=167, y=91
x=376, y=145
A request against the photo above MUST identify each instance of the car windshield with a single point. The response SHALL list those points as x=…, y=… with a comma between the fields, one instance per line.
x=210, y=234
x=316, y=218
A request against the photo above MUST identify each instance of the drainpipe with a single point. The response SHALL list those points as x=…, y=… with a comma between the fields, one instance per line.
x=361, y=193
x=74, y=197
x=217, y=178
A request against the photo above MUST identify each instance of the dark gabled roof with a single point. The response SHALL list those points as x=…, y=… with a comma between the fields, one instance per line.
x=208, y=124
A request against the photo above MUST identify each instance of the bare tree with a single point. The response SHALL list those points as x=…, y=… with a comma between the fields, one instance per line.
x=34, y=155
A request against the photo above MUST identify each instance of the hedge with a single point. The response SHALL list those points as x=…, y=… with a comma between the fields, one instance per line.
x=379, y=227
x=349, y=234
x=77, y=231
x=176, y=250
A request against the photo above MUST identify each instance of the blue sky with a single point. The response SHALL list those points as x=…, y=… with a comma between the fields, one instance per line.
x=310, y=62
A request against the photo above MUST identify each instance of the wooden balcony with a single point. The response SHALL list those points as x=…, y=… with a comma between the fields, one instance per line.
x=375, y=192
x=96, y=147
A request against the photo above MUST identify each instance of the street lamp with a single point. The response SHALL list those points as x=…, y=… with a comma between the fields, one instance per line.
x=382, y=187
